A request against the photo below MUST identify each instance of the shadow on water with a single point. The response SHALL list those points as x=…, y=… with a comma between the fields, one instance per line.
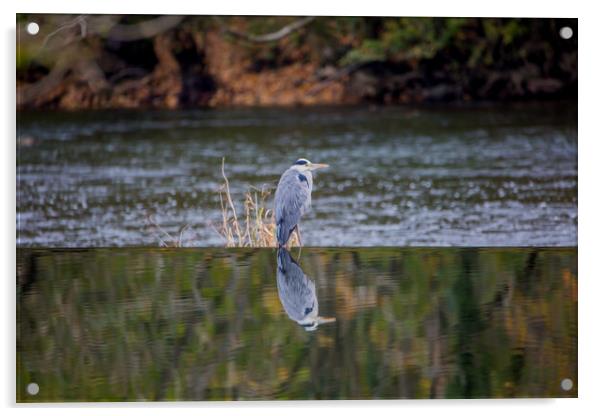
x=215, y=324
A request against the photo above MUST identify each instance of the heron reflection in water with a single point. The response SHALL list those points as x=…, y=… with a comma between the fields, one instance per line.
x=297, y=293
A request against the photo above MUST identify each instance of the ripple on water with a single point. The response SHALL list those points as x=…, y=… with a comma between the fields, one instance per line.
x=425, y=177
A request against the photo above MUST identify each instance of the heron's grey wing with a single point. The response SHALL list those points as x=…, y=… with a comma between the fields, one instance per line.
x=292, y=196
x=296, y=291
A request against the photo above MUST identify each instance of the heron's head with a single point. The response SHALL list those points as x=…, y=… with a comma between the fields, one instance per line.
x=311, y=320
x=303, y=165
x=311, y=323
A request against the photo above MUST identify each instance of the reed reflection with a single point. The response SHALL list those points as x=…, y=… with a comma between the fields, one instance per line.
x=297, y=293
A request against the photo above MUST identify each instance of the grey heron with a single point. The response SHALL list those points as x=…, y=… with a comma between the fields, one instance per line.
x=297, y=293
x=293, y=198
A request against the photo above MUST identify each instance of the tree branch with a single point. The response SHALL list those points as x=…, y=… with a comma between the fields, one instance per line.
x=78, y=21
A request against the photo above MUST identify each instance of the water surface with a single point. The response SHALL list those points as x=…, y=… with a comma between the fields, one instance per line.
x=210, y=324
x=487, y=175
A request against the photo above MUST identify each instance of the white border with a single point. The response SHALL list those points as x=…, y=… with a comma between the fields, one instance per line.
x=590, y=207
x=506, y=8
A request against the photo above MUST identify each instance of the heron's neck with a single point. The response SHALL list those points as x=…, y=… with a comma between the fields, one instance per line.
x=302, y=170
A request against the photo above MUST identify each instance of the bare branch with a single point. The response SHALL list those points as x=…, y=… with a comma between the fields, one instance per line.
x=78, y=21
x=268, y=37
x=181, y=237
x=171, y=241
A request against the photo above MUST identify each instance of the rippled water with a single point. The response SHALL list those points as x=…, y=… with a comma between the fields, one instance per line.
x=468, y=176
x=231, y=324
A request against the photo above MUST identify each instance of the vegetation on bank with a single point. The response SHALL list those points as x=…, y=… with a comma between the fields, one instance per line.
x=96, y=61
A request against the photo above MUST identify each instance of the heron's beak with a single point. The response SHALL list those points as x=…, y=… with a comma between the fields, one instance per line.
x=315, y=166
x=324, y=320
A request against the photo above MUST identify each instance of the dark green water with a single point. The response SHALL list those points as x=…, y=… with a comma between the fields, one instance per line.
x=479, y=175
x=209, y=324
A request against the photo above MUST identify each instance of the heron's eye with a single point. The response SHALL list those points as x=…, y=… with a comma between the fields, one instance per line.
x=302, y=162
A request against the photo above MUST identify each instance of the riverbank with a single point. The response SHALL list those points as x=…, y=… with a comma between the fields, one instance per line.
x=201, y=61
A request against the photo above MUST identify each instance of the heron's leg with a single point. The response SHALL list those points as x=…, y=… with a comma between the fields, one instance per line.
x=297, y=229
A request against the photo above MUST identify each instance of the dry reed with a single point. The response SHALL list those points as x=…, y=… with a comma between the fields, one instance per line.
x=165, y=238
x=256, y=226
